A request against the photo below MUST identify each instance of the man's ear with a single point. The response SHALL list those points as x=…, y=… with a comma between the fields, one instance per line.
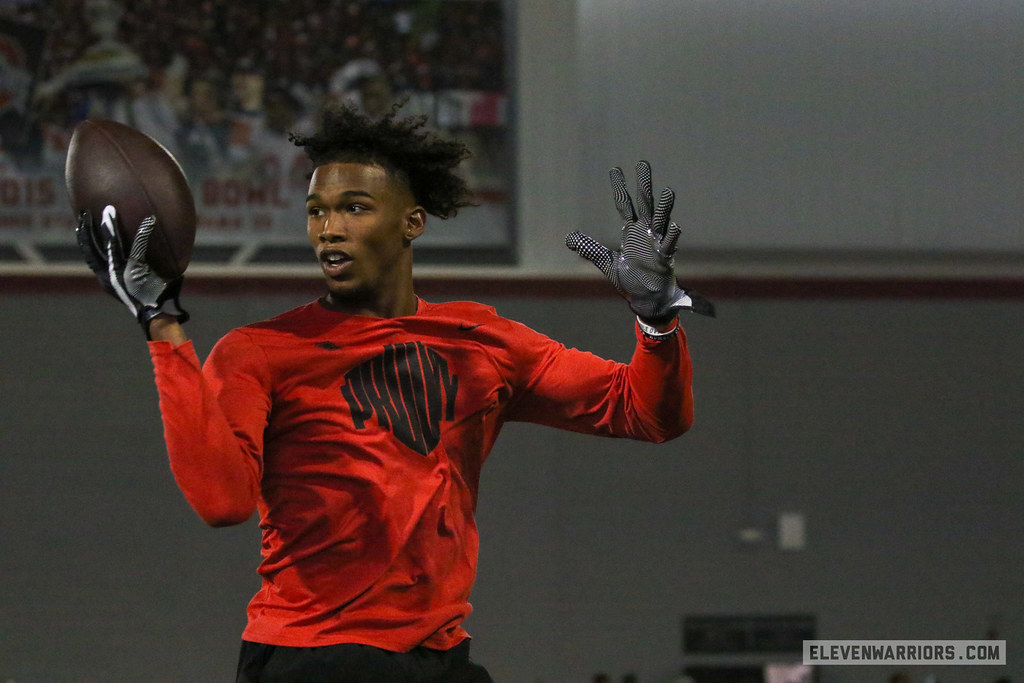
x=415, y=222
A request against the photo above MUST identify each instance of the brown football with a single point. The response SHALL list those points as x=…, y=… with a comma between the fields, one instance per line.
x=111, y=163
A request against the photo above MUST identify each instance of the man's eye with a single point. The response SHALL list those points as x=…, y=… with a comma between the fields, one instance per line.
x=314, y=211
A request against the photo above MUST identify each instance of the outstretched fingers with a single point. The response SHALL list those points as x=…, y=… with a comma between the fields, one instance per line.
x=85, y=235
x=644, y=191
x=664, y=228
x=668, y=244
x=114, y=257
x=108, y=237
x=590, y=249
x=141, y=243
x=623, y=203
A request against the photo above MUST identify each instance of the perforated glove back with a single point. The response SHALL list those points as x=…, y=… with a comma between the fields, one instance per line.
x=130, y=280
x=641, y=270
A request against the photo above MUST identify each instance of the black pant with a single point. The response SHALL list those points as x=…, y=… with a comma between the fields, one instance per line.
x=352, y=663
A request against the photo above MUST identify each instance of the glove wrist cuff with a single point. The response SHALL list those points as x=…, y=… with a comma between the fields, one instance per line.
x=652, y=332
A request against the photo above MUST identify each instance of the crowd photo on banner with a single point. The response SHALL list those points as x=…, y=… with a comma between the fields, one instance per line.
x=222, y=86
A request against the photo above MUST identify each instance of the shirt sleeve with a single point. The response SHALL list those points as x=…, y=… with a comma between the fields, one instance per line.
x=214, y=417
x=648, y=399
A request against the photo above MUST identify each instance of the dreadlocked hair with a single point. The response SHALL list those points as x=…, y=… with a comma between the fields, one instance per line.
x=425, y=161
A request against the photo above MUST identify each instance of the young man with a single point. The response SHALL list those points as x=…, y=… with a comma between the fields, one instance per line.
x=357, y=425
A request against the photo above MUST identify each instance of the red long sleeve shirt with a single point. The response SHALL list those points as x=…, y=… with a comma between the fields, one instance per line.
x=360, y=440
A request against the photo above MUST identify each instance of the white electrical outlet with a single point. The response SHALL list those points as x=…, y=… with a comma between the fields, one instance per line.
x=792, y=531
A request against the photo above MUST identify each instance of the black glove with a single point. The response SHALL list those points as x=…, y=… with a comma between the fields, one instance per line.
x=130, y=280
x=642, y=268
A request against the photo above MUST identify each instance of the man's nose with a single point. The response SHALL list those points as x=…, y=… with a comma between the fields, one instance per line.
x=333, y=229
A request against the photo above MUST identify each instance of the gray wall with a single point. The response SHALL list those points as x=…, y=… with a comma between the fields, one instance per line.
x=832, y=127
x=892, y=425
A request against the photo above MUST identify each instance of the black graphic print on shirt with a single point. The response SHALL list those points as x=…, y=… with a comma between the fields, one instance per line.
x=409, y=390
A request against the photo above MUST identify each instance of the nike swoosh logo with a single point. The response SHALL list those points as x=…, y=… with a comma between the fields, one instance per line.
x=466, y=328
x=330, y=346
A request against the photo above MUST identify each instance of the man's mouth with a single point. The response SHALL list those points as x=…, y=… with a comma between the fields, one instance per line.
x=333, y=261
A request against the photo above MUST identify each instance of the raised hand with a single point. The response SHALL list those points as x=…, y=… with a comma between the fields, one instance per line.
x=130, y=280
x=641, y=270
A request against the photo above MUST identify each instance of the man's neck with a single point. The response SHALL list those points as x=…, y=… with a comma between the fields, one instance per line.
x=385, y=307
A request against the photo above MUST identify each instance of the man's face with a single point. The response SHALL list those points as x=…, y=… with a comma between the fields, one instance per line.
x=361, y=224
